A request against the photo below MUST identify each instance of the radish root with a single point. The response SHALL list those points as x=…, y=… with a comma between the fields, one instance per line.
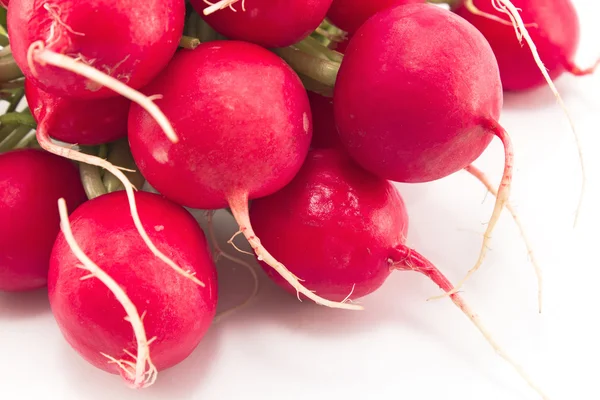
x=220, y=253
x=239, y=209
x=577, y=71
x=38, y=53
x=501, y=199
x=221, y=5
x=476, y=11
x=479, y=175
x=47, y=144
x=405, y=259
x=505, y=6
x=141, y=373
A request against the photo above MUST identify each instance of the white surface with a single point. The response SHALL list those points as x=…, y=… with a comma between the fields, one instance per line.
x=401, y=347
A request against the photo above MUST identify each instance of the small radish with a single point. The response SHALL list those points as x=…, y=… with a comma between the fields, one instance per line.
x=269, y=23
x=85, y=122
x=411, y=111
x=342, y=231
x=245, y=125
x=555, y=33
x=324, y=130
x=91, y=49
x=97, y=300
x=31, y=182
x=4, y=3
x=349, y=15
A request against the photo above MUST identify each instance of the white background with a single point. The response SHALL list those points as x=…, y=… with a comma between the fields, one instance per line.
x=401, y=346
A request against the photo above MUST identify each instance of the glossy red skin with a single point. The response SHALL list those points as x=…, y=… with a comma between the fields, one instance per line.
x=556, y=38
x=4, y=3
x=269, y=23
x=78, y=121
x=324, y=130
x=334, y=226
x=349, y=15
x=178, y=311
x=414, y=110
x=31, y=182
x=243, y=120
x=118, y=35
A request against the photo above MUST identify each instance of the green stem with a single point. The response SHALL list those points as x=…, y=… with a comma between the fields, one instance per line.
x=27, y=141
x=206, y=33
x=16, y=100
x=188, y=42
x=192, y=24
x=323, y=71
x=119, y=154
x=16, y=84
x=314, y=47
x=9, y=69
x=18, y=118
x=14, y=138
x=6, y=51
x=90, y=175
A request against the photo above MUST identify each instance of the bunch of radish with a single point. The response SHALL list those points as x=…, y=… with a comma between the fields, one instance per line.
x=296, y=115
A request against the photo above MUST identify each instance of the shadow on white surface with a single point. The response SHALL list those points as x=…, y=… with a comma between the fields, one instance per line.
x=24, y=305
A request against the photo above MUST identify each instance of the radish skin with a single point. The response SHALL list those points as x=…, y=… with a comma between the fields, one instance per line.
x=349, y=15
x=85, y=122
x=242, y=137
x=31, y=182
x=163, y=308
x=269, y=23
x=352, y=226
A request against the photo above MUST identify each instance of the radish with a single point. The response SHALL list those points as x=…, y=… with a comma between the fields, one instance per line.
x=31, y=182
x=410, y=111
x=349, y=15
x=85, y=122
x=343, y=230
x=555, y=32
x=4, y=3
x=165, y=310
x=269, y=23
x=324, y=129
x=91, y=49
x=244, y=135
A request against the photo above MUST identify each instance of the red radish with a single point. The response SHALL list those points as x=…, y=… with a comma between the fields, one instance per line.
x=410, y=111
x=242, y=137
x=269, y=23
x=165, y=310
x=349, y=15
x=555, y=34
x=129, y=40
x=324, y=130
x=343, y=230
x=85, y=122
x=91, y=49
x=31, y=182
x=4, y=3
